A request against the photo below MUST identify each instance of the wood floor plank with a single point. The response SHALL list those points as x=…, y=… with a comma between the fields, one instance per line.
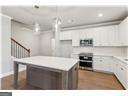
x=87, y=80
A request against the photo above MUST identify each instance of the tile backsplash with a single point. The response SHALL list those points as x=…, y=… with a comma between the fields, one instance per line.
x=113, y=51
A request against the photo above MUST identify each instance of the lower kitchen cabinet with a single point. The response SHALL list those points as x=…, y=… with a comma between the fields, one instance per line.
x=110, y=64
x=121, y=72
x=102, y=63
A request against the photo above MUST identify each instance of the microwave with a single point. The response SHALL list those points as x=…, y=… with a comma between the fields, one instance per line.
x=86, y=42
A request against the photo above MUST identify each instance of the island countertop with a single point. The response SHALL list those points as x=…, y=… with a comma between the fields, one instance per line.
x=60, y=63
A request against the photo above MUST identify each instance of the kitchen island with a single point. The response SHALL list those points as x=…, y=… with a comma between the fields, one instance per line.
x=48, y=72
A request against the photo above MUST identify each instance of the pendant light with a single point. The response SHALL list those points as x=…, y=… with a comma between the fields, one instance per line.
x=56, y=20
x=37, y=29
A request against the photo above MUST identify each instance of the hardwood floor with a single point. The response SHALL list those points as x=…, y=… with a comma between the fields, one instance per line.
x=88, y=80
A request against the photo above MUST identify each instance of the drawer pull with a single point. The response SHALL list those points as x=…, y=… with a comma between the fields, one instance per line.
x=100, y=60
x=121, y=68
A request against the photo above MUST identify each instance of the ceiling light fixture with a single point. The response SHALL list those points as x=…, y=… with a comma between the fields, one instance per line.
x=37, y=29
x=56, y=21
x=70, y=21
x=100, y=15
x=36, y=4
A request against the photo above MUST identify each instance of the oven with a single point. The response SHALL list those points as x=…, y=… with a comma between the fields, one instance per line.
x=86, y=61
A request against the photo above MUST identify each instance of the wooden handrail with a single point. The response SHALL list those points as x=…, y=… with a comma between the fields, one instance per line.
x=20, y=45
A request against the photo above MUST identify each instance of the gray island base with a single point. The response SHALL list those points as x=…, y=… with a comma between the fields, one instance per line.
x=56, y=74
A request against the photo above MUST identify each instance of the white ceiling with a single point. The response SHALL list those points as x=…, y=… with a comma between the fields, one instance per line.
x=81, y=15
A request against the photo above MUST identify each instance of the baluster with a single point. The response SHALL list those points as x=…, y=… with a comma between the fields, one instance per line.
x=21, y=52
x=18, y=51
x=14, y=49
x=11, y=48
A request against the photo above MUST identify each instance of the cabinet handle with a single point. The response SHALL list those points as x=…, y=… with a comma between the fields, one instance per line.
x=100, y=60
x=121, y=68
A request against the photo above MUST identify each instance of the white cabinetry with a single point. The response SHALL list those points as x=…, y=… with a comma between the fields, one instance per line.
x=75, y=38
x=86, y=33
x=65, y=35
x=123, y=32
x=103, y=63
x=102, y=36
x=106, y=36
x=121, y=72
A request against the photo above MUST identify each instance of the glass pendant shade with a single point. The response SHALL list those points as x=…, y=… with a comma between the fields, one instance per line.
x=37, y=29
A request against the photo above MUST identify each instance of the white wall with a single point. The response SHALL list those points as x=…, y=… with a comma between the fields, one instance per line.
x=25, y=36
x=66, y=48
x=5, y=44
x=0, y=50
x=127, y=52
x=46, y=45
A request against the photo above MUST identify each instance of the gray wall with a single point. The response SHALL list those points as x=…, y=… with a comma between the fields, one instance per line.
x=46, y=45
x=25, y=36
x=66, y=48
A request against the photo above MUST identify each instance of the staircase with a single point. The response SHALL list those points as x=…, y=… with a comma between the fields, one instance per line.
x=18, y=50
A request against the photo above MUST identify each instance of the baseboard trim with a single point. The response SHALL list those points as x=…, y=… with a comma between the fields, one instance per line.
x=120, y=82
x=102, y=71
x=10, y=73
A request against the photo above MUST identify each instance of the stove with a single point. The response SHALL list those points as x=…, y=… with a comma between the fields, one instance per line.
x=86, y=61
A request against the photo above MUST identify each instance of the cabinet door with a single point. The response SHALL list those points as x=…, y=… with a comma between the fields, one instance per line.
x=123, y=75
x=97, y=65
x=115, y=65
x=65, y=35
x=112, y=35
x=96, y=37
x=123, y=32
x=103, y=36
x=103, y=63
x=106, y=36
x=75, y=38
x=121, y=72
x=106, y=64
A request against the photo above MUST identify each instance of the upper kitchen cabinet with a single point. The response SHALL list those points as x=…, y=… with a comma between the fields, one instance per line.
x=75, y=38
x=86, y=33
x=65, y=35
x=102, y=36
x=123, y=32
x=106, y=36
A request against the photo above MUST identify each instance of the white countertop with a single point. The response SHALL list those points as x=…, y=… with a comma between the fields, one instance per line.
x=50, y=62
x=121, y=59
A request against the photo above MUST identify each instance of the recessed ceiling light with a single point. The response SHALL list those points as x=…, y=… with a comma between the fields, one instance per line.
x=100, y=15
x=70, y=21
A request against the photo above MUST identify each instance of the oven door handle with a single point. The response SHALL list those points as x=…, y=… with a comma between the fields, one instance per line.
x=85, y=57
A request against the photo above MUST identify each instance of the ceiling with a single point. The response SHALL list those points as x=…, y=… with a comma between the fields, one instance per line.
x=71, y=16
